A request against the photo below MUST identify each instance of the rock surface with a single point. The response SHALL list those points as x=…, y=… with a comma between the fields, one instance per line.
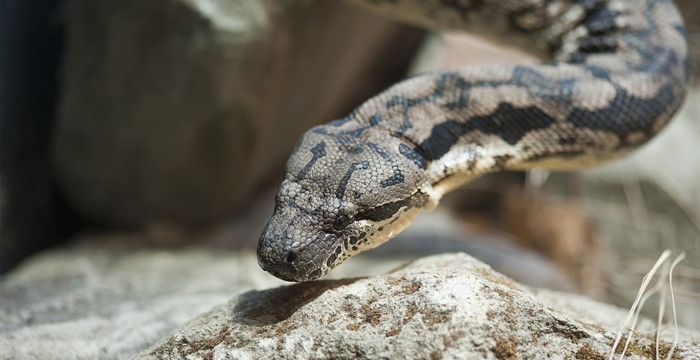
x=449, y=306
x=111, y=296
x=173, y=111
x=110, y=301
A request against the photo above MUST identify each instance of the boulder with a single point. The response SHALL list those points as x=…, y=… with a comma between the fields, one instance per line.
x=174, y=111
x=113, y=296
x=109, y=301
x=32, y=216
x=110, y=296
x=446, y=306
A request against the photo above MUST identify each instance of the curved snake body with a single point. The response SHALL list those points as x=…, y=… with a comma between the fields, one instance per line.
x=618, y=73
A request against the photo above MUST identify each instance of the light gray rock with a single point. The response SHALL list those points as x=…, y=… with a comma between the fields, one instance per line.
x=111, y=296
x=174, y=111
x=449, y=306
x=109, y=301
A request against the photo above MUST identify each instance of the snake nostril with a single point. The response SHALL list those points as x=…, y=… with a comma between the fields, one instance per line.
x=291, y=256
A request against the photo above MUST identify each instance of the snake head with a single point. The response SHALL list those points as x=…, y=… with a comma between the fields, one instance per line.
x=345, y=191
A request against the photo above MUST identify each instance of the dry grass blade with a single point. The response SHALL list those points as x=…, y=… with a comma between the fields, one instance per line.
x=678, y=259
x=662, y=308
x=633, y=310
x=647, y=294
x=635, y=200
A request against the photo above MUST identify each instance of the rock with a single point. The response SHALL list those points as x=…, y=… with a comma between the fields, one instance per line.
x=111, y=296
x=174, y=111
x=31, y=214
x=448, y=306
x=111, y=300
x=690, y=10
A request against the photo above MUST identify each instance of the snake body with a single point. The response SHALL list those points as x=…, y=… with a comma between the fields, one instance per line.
x=617, y=72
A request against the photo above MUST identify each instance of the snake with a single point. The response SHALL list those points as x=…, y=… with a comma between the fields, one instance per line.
x=611, y=76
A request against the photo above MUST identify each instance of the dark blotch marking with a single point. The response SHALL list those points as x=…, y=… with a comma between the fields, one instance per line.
x=318, y=152
x=397, y=177
x=388, y=210
x=341, y=221
x=413, y=155
x=627, y=113
x=331, y=259
x=508, y=122
x=340, y=191
x=598, y=44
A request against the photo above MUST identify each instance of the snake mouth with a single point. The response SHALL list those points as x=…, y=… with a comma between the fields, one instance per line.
x=289, y=270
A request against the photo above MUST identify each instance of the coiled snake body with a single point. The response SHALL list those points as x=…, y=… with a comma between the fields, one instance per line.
x=617, y=74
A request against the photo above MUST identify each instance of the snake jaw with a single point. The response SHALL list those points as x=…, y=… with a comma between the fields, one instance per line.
x=312, y=260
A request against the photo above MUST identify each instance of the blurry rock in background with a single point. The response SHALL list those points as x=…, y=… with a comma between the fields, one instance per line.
x=558, y=228
x=177, y=111
x=690, y=10
x=32, y=213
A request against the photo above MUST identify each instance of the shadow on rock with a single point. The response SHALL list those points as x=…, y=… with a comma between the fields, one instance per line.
x=267, y=307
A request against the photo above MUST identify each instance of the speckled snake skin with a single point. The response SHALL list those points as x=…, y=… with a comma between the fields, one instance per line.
x=617, y=71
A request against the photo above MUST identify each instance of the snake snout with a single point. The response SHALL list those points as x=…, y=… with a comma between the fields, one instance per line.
x=284, y=270
x=278, y=256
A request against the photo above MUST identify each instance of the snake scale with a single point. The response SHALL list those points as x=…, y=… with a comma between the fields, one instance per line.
x=615, y=72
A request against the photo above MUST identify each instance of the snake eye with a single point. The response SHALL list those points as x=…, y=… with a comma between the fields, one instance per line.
x=291, y=256
x=341, y=221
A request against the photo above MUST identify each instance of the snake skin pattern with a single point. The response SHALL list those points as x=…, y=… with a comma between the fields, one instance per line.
x=616, y=74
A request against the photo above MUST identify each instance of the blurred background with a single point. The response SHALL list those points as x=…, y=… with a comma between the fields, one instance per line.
x=141, y=143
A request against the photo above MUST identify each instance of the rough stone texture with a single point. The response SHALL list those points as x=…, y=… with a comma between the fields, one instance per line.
x=110, y=301
x=449, y=306
x=174, y=110
x=111, y=296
